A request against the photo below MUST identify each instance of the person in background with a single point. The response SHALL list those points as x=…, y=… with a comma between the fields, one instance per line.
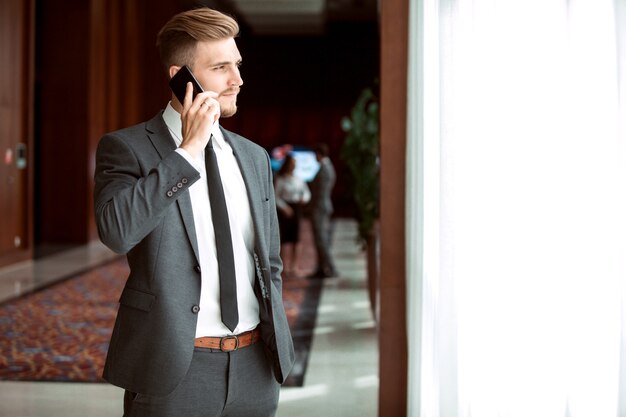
x=201, y=328
x=321, y=209
x=291, y=194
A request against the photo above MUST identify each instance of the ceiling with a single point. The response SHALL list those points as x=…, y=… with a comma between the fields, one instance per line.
x=296, y=17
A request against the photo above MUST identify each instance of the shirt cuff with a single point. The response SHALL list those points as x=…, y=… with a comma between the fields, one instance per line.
x=197, y=164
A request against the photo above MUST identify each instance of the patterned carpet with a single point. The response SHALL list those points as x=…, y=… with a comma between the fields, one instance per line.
x=61, y=333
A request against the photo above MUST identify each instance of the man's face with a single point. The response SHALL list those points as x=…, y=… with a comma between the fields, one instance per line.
x=216, y=67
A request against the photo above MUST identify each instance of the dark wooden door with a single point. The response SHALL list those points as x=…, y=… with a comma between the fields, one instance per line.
x=15, y=130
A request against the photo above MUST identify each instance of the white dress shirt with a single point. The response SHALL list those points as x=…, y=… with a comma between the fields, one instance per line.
x=241, y=229
x=290, y=189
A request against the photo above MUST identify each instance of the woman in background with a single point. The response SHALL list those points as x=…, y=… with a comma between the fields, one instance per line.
x=291, y=194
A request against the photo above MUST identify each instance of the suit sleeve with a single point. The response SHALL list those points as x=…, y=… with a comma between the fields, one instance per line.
x=130, y=199
x=276, y=264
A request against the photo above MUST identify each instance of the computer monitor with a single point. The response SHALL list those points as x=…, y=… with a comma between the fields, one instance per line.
x=306, y=162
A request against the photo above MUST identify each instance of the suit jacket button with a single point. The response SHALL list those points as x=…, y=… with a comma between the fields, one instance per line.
x=197, y=268
x=184, y=180
x=170, y=193
x=179, y=185
x=174, y=188
x=195, y=309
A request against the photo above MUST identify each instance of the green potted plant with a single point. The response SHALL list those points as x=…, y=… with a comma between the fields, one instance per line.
x=360, y=152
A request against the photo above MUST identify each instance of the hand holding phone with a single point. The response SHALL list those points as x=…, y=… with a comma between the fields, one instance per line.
x=198, y=115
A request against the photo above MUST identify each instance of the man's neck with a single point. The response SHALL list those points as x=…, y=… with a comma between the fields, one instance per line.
x=176, y=105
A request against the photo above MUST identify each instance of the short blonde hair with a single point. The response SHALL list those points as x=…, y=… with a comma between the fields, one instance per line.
x=177, y=40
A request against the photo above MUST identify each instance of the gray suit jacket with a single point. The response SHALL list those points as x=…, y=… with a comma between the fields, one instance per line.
x=322, y=187
x=143, y=209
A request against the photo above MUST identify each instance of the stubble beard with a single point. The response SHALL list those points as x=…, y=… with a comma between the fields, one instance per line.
x=229, y=108
x=228, y=111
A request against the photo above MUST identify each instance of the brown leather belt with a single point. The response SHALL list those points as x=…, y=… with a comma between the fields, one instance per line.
x=229, y=343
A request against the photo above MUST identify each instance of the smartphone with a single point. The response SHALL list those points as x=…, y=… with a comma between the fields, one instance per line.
x=179, y=81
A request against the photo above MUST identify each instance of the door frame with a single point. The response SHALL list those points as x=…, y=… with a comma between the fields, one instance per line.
x=26, y=36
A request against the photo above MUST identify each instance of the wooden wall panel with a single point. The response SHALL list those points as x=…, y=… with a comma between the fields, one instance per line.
x=392, y=329
x=63, y=108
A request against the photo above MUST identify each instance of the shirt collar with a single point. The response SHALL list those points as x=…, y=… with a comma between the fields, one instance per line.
x=173, y=122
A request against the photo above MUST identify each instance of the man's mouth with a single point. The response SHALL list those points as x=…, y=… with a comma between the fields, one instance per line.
x=230, y=93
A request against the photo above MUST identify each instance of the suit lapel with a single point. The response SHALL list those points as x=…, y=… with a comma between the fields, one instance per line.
x=254, y=188
x=257, y=196
x=162, y=140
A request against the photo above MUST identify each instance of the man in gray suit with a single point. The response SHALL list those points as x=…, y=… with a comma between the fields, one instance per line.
x=321, y=208
x=172, y=349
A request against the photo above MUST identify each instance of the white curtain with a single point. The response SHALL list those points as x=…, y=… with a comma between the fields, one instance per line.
x=516, y=208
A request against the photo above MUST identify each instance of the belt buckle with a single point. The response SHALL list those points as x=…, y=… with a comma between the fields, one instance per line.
x=223, y=339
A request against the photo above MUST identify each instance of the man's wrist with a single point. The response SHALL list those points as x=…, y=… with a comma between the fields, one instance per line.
x=194, y=151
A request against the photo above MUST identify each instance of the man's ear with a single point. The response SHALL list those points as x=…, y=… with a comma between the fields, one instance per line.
x=173, y=70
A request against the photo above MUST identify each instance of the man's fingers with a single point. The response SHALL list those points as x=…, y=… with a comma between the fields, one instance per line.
x=209, y=105
x=202, y=102
x=209, y=94
x=188, y=96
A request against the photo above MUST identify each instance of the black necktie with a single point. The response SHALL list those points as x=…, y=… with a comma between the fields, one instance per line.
x=223, y=241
